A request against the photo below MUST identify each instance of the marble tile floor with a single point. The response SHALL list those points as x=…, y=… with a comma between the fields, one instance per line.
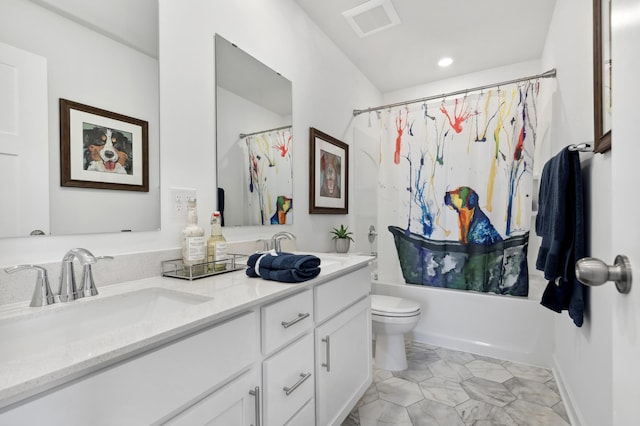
x=444, y=387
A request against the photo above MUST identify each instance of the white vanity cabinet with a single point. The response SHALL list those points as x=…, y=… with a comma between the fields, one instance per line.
x=156, y=385
x=302, y=357
x=343, y=346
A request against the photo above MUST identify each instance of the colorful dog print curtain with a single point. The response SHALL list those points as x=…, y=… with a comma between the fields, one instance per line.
x=270, y=172
x=460, y=171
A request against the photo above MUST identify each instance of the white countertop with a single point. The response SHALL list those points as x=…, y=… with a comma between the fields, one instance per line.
x=232, y=293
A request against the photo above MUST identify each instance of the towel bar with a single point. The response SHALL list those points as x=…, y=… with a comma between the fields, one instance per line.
x=581, y=147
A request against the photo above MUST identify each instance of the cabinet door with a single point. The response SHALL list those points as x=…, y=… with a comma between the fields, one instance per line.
x=343, y=362
x=304, y=417
x=152, y=386
x=232, y=405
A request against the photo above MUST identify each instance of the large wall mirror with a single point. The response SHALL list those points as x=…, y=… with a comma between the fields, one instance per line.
x=65, y=46
x=602, y=106
x=254, y=140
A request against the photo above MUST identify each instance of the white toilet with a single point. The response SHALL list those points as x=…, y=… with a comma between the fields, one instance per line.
x=392, y=317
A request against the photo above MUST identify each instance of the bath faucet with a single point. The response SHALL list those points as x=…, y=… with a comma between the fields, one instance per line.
x=42, y=295
x=281, y=236
x=68, y=289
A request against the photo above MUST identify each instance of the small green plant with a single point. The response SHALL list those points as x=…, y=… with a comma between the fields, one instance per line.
x=343, y=232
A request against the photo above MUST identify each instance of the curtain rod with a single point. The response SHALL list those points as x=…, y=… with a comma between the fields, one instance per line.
x=547, y=74
x=244, y=135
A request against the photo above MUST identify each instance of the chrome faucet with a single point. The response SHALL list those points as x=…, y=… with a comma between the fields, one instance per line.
x=42, y=295
x=68, y=289
x=281, y=236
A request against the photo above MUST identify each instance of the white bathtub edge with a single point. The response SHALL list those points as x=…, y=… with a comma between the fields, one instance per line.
x=526, y=338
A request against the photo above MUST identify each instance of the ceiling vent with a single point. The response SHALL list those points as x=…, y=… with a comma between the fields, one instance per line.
x=372, y=17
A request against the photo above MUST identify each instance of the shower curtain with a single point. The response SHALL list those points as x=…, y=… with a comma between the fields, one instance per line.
x=458, y=175
x=269, y=177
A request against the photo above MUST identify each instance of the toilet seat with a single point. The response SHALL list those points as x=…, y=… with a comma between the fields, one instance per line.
x=389, y=306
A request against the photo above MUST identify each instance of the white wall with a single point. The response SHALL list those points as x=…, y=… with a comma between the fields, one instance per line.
x=326, y=87
x=582, y=356
x=86, y=67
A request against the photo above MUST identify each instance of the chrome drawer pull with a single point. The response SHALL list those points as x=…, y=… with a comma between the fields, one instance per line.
x=289, y=390
x=256, y=392
x=299, y=318
x=328, y=352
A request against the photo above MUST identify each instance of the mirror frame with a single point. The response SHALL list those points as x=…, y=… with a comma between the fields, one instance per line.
x=601, y=34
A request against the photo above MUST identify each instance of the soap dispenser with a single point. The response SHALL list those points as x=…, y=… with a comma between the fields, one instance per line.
x=193, y=241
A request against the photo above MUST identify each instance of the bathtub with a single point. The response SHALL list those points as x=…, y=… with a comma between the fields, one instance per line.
x=511, y=328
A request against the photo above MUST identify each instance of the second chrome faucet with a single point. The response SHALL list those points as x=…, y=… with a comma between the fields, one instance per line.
x=68, y=289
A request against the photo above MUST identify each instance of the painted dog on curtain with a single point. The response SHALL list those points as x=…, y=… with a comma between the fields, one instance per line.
x=475, y=226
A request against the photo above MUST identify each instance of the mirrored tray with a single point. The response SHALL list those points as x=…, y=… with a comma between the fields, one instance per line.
x=177, y=269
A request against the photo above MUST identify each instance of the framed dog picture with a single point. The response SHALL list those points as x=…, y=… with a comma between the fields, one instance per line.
x=102, y=149
x=329, y=174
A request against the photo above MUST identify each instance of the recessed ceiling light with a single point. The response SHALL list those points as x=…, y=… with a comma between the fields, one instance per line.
x=445, y=62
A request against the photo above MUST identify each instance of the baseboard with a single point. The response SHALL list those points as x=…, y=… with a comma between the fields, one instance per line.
x=574, y=415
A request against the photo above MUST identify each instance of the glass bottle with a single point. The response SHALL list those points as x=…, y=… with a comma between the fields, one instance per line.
x=193, y=241
x=216, y=245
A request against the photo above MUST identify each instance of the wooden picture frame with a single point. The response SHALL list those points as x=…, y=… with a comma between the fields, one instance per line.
x=602, y=104
x=102, y=149
x=328, y=174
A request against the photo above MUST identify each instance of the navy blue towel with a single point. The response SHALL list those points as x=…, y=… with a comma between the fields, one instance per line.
x=560, y=223
x=283, y=267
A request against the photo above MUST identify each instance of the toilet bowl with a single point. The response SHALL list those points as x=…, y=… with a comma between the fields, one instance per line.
x=392, y=317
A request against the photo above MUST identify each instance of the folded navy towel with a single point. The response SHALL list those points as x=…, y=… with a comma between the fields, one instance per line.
x=251, y=264
x=283, y=267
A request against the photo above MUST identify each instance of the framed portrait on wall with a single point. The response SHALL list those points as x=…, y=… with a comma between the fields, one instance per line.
x=328, y=174
x=102, y=149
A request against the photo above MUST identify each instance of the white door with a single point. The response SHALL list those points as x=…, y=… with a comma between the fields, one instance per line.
x=24, y=153
x=625, y=156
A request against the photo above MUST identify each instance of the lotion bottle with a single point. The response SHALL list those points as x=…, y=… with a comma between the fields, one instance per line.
x=216, y=245
x=193, y=240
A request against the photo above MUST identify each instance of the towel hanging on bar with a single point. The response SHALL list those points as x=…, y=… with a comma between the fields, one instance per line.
x=560, y=223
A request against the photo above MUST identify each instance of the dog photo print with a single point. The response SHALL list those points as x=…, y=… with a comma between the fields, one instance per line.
x=102, y=149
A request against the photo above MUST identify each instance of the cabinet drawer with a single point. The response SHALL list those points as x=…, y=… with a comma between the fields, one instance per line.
x=337, y=294
x=285, y=320
x=304, y=417
x=288, y=381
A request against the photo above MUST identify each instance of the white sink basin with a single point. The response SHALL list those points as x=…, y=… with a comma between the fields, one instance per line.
x=59, y=325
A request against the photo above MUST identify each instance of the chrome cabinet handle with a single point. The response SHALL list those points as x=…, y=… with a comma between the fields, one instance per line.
x=299, y=318
x=256, y=392
x=289, y=390
x=328, y=353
